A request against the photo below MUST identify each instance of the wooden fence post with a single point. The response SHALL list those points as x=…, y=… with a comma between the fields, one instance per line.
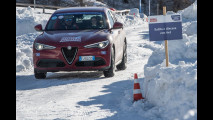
x=43, y=9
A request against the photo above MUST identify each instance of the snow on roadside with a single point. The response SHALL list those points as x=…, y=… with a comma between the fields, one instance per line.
x=170, y=92
x=131, y=19
x=24, y=51
x=27, y=18
x=173, y=90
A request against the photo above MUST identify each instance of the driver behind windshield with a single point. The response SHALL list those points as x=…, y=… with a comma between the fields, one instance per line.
x=95, y=22
x=76, y=21
x=70, y=23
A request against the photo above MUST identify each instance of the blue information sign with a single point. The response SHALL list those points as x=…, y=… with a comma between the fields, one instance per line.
x=167, y=27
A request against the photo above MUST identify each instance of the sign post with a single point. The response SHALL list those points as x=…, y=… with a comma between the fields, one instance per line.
x=149, y=7
x=157, y=9
x=140, y=6
x=34, y=4
x=165, y=27
x=166, y=42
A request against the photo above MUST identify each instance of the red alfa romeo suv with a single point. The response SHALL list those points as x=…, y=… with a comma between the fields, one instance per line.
x=80, y=39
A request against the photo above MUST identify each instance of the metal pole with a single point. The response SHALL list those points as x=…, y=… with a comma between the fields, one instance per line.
x=34, y=4
x=140, y=6
x=149, y=7
x=43, y=9
x=157, y=8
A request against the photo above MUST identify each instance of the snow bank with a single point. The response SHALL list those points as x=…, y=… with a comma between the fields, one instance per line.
x=24, y=44
x=190, y=12
x=131, y=19
x=98, y=4
x=179, y=50
x=173, y=90
x=27, y=18
x=134, y=11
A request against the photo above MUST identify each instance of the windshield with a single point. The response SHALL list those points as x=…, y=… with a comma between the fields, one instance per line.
x=77, y=21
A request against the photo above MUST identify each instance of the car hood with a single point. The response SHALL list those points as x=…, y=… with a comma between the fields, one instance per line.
x=74, y=37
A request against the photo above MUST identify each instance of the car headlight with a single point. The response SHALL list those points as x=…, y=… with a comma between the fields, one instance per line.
x=39, y=46
x=101, y=45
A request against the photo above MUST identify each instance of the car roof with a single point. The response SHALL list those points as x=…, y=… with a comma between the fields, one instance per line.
x=81, y=9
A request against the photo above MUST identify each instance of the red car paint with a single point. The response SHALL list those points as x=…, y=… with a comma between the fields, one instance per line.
x=116, y=39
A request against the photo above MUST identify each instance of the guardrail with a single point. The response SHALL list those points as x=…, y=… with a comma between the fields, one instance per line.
x=122, y=12
x=39, y=6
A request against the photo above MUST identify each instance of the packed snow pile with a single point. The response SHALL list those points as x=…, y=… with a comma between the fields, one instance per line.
x=133, y=18
x=190, y=12
x=97, y=3
x=24, y=45
x=173, y=90
x=27, y=18
x=179, y=50
x=134, y=11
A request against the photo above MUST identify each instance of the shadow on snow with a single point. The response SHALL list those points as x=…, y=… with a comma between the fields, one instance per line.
x=111, y=101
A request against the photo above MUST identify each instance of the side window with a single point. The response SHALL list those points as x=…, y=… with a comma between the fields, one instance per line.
x=111, y=21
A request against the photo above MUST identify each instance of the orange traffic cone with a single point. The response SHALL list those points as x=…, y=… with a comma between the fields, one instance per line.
x=137, y=91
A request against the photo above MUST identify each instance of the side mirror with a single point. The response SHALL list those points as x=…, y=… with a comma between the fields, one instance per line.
x=117, y=25
x=38, y=28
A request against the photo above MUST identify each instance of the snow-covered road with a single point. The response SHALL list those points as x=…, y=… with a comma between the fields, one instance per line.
x=84, y=95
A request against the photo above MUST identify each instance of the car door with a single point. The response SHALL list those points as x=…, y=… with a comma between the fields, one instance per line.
x=116, y=37
x=121, y=35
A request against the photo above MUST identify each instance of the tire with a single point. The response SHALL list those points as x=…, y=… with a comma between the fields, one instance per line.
x=122, y=65
x=40, y=75
x=111, y=71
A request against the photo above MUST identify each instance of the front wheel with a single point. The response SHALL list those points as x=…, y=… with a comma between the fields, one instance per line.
x=111, y=71
x=40, y=75
x=122, y=65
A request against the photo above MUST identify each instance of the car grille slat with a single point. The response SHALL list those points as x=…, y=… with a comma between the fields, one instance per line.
x=69, y=55
x=47, y=63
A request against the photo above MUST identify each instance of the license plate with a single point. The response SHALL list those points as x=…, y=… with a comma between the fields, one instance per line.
x=86, y=58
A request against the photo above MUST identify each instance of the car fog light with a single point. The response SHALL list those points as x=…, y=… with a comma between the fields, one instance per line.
x=37, y=54
x=103, y=52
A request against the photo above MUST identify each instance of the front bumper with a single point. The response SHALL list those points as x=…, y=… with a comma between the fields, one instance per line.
x=55, y=60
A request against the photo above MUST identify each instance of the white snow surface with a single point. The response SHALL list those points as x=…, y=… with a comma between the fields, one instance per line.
x=27, y=18
x=170, y=92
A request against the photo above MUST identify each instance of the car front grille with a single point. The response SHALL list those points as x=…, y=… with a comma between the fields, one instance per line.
x=69, y=55
x=47, y=63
